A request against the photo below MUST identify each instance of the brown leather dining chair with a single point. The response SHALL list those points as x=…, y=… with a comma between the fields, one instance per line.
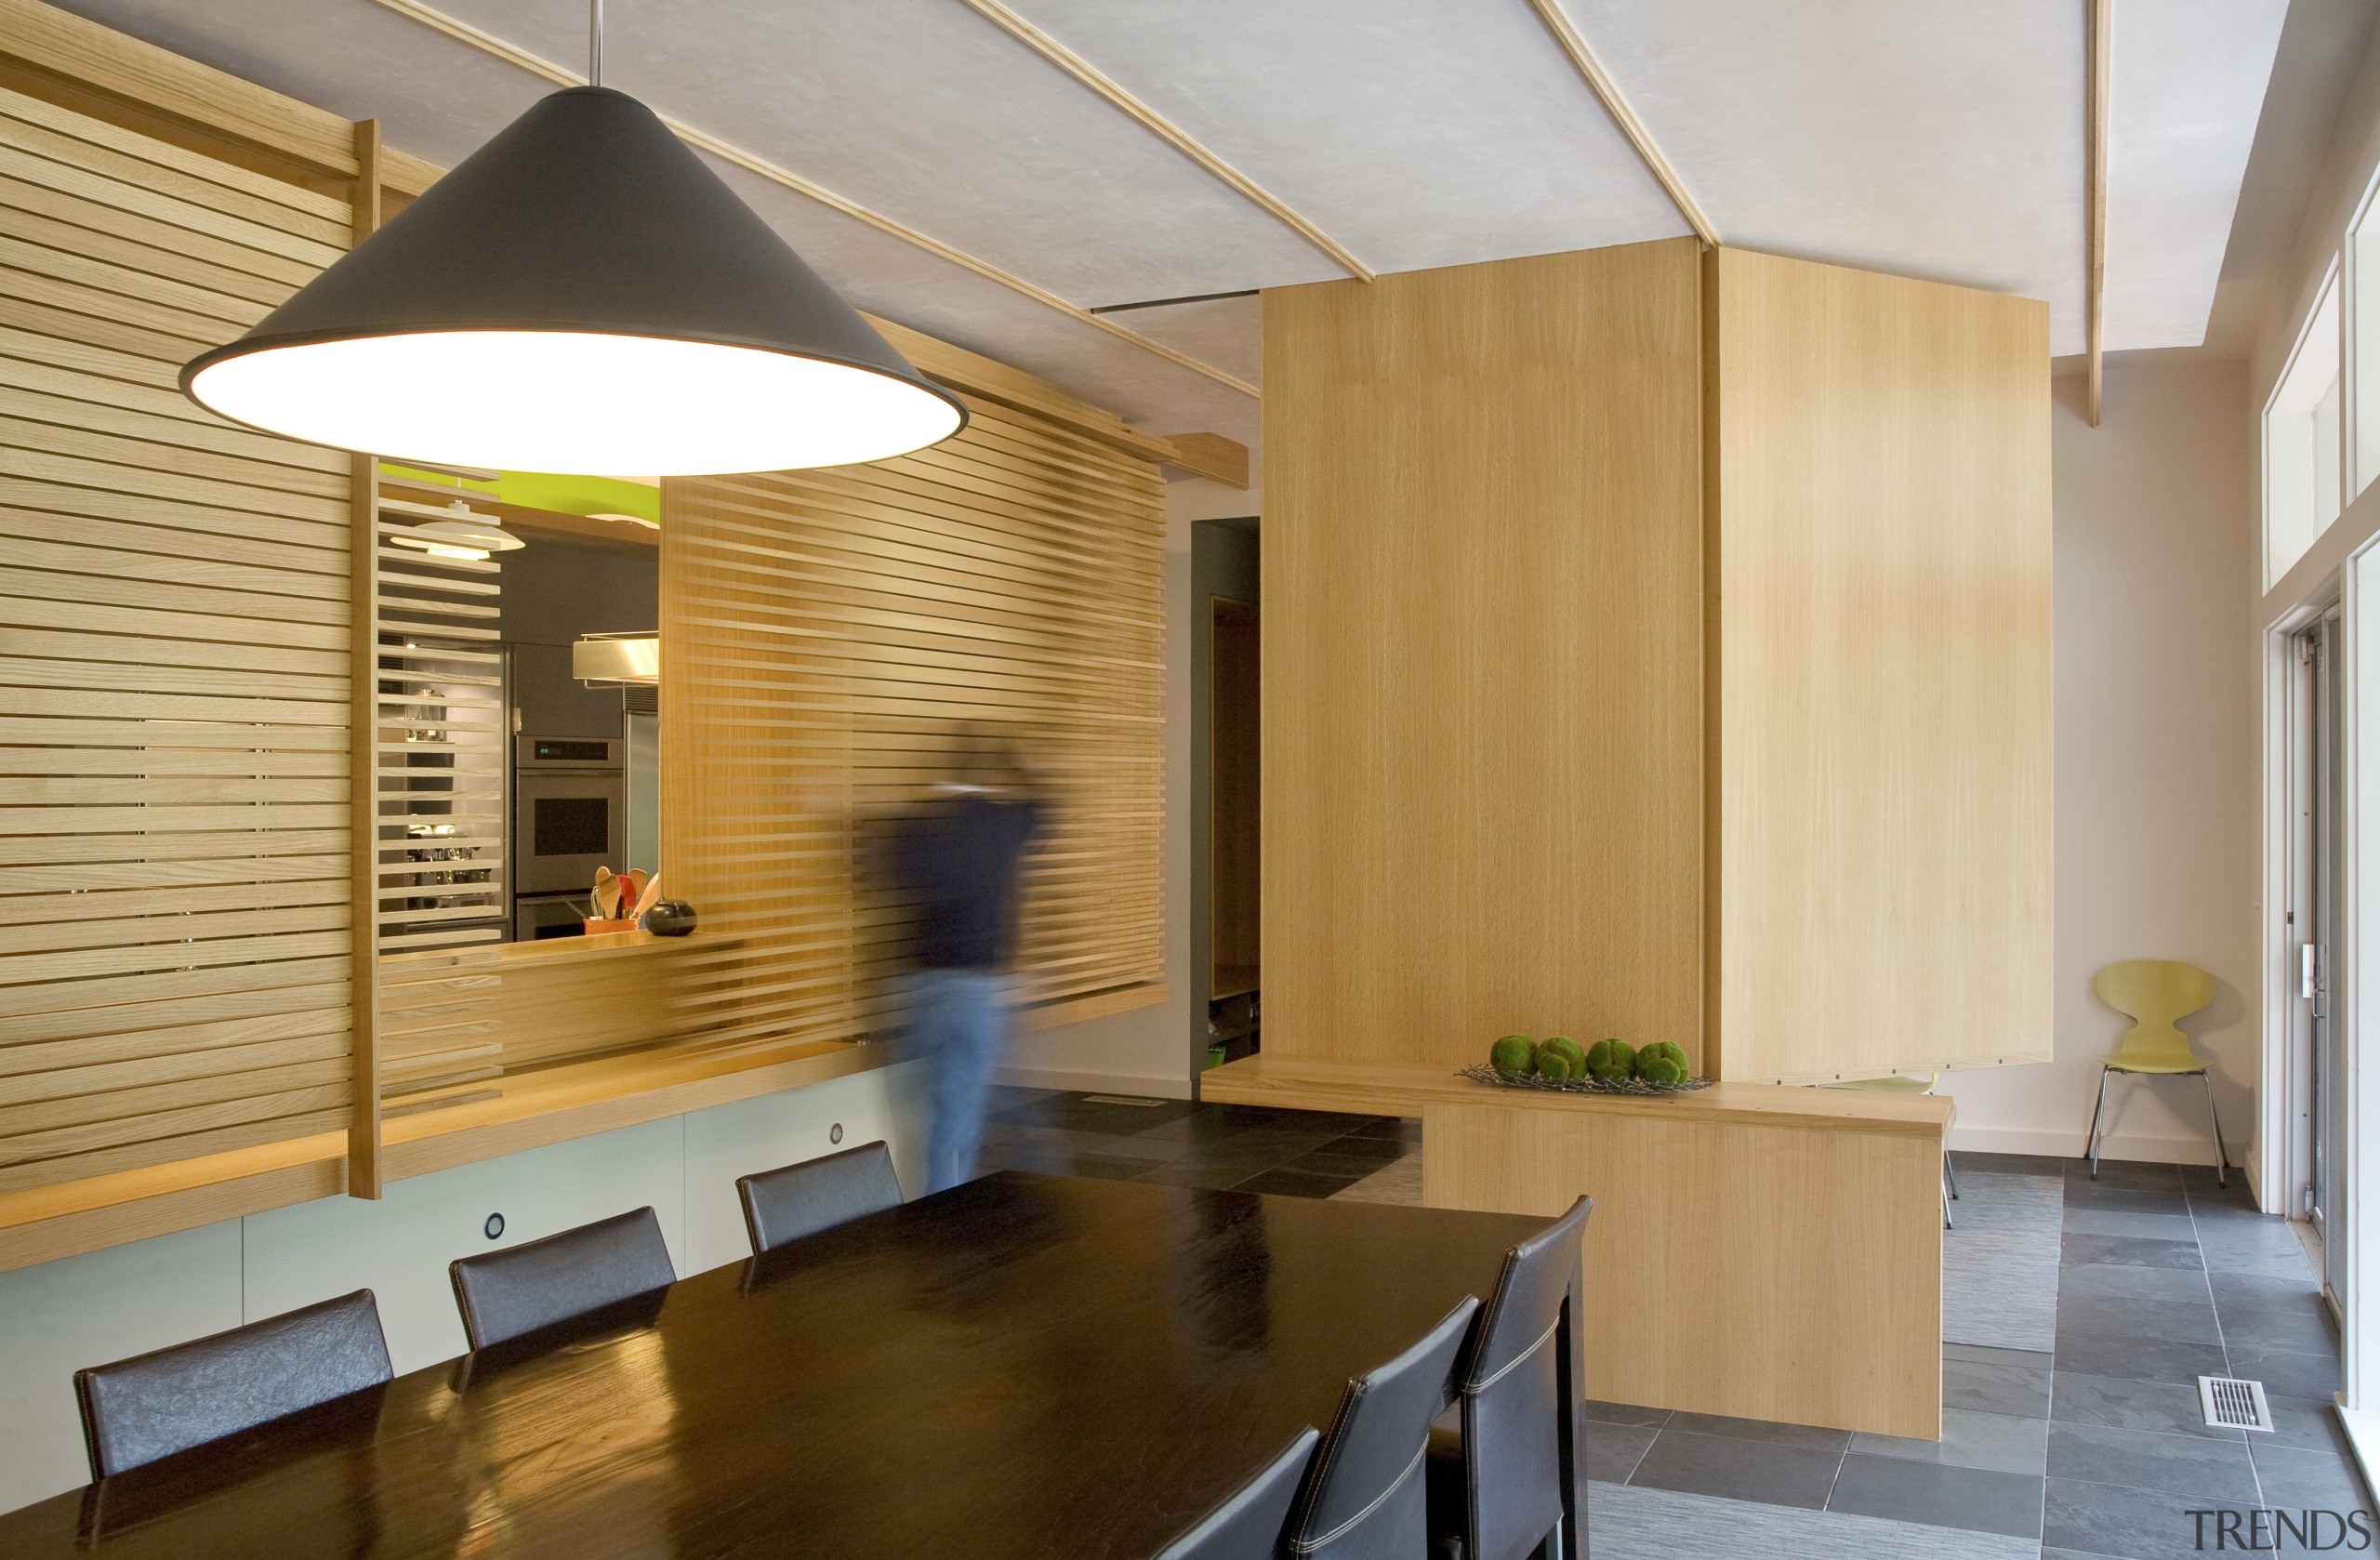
x=1495, y=1477
x=154, y=1405
x=783, y=1205
x=1246, y=1525
x=1365, y=1496
x=539, y=1282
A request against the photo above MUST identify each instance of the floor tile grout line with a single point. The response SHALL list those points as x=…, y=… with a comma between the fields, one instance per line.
x=2222, y=1337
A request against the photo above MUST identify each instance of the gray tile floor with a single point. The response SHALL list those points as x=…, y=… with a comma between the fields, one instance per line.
x=2093, y=1446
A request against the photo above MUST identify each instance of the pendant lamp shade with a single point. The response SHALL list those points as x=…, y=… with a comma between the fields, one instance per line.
x=581, y=293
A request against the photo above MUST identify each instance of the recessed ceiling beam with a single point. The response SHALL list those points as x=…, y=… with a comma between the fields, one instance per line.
x=487, y=43
x=2095, y=293
x=1607, y=92
x=1165, y=130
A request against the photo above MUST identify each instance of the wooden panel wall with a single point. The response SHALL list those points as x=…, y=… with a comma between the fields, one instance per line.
x=173, y=670
x=824, y=632
x=1483, y=680
x=1883, y=559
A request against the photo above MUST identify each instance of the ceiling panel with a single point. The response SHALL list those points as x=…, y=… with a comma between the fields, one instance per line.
x=1947, y=141
x=1223, y=331
x=2189, y=78
x=1934, y=140
x=1416, y=135
x=926, y=113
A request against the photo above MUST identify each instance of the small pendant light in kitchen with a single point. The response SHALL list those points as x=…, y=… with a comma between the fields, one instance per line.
x=581, y=293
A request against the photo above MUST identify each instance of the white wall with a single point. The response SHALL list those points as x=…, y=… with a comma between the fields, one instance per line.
x=127, y=1300
x=2157, y=731
x=1147, y=1049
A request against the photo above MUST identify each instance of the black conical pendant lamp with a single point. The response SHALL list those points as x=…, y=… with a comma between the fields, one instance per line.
x=580, y=295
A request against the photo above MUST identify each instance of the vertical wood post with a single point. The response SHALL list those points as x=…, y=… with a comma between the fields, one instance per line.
x=364, y=758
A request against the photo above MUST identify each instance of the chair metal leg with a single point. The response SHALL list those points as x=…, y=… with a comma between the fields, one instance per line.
x=2093, y=1145
x=1550, y=1547
x=1949, y=1176
x=1946, y=1211
x=2221, y=1158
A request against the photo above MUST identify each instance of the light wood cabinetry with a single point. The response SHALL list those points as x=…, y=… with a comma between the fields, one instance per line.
x=1483, y=733
x=1659, y=646
x=1763, y=1252
x=1882, y=547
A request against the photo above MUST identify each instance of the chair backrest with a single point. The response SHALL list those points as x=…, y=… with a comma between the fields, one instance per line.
x=1365, y=1495
x=1512, y=1397
x=152, y=1406
x=782, y=1205
x=534, y=1285
x=2154, y=992
x=1246, y=1525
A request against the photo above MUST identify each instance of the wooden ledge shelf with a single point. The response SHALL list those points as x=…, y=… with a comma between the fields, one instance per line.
x=579, y=1099
x=554, y=950
x=1405, y=1088
x=553, y=1104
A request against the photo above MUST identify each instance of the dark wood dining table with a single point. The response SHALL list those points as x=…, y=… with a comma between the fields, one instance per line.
x=1024, y=1365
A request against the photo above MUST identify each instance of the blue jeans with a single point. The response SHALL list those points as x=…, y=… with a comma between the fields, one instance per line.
x=959, y=1022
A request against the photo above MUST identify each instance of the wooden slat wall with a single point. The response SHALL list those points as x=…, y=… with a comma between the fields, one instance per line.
x=173, y=670
x=824, y=632
x=440, y=743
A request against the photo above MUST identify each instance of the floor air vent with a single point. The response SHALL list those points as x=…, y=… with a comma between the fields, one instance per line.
x=1119, y=1100
x=2234, y=1404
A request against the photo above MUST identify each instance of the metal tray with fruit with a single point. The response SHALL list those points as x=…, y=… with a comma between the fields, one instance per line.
x=1562, y=1066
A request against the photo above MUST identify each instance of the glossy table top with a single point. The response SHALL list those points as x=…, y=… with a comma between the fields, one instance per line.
x=1024, y=1365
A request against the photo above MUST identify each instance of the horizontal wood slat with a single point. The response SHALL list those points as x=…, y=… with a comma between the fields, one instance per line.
x=174, y=676
x=824, y=636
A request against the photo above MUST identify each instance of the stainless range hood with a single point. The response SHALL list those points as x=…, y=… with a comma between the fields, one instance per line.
x=616, y=658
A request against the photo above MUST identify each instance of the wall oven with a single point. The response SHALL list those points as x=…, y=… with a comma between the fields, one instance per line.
x=569, y=813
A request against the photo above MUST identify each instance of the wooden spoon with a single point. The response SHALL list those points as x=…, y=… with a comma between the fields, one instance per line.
x=607, y=894
x=645, y=900
x=631, y=888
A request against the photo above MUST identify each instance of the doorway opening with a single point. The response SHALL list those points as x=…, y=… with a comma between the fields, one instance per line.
x=1226, y=913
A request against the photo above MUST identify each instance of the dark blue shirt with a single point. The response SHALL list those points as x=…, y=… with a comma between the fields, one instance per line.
x=957, y=859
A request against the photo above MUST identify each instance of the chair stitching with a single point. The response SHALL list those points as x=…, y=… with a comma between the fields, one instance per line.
x=1307, y=1546
x=1477, y=1387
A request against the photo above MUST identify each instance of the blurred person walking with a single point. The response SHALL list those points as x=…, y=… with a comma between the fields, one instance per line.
x=957, y=859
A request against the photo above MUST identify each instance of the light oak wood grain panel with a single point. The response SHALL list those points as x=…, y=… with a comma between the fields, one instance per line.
x=1765, y=1273
x=1883, y=521
x=1483, y=704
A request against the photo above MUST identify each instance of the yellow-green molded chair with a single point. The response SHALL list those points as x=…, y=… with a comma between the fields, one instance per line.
x=2153, y=993
x=1907, y=1083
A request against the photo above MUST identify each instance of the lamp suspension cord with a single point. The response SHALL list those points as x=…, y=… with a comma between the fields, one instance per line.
x=595, y=43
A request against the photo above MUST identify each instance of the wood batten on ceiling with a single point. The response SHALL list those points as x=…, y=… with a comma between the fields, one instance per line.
x=487, y=43
x=1615, y=102
x=1166, y=130
x=2095, y=289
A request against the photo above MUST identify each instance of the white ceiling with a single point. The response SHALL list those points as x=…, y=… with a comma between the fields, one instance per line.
x=1933, y=140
